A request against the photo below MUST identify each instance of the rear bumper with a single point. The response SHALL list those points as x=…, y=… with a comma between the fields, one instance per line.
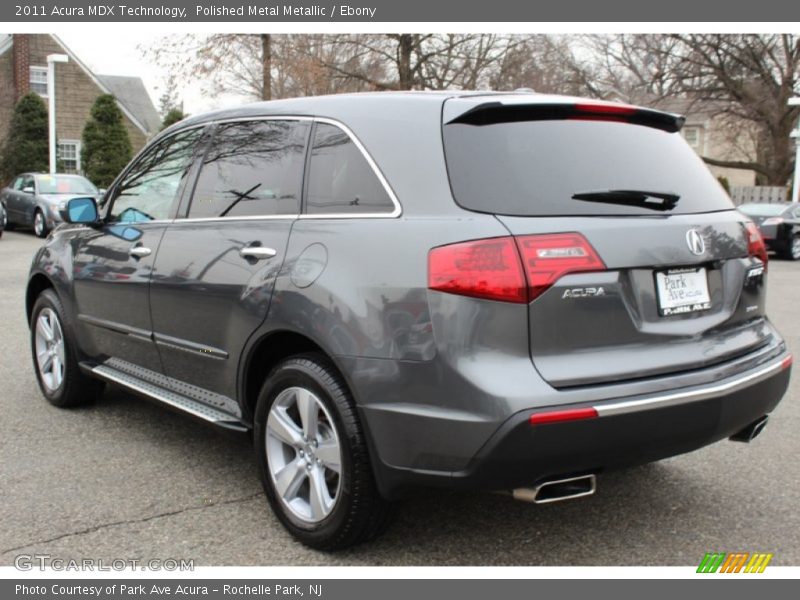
x=625, y=433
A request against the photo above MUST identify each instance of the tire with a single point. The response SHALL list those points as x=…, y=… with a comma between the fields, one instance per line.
x=63, y=384
x=39, y=224
x=357, y=512
x=793, y=251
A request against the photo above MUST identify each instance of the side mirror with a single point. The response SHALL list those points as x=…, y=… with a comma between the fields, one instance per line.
x=81, y=210
x=28, y=190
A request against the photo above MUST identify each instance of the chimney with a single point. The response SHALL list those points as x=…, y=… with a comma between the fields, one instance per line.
x=22, y=64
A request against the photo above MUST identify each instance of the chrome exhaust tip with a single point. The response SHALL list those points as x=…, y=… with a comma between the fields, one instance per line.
x=557, y=490
x=749, y=433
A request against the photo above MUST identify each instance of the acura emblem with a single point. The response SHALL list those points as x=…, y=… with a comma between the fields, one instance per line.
x=695, y=242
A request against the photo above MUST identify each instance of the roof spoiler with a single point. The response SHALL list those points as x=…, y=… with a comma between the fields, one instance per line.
x=491, y=113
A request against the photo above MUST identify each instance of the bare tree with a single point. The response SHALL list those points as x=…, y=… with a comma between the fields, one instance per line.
x=266, y=66
x=225, y=63
x=745, y=79
x=419, y=61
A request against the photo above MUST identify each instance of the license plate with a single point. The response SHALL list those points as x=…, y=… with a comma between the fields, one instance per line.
x=682, y=291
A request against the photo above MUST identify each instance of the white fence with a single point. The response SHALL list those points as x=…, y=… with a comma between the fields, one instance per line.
x=758, y=193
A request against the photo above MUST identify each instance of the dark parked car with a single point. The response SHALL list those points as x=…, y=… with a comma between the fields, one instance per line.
x=37, y=199
x=498, y=291
x=779, y=224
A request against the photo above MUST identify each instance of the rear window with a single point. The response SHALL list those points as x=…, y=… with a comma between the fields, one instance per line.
x=534, y=168
x=57, y=184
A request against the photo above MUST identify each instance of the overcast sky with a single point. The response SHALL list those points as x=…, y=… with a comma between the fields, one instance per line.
x=117, y=53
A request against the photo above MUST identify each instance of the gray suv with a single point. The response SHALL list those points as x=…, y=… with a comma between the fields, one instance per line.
x=469, y=290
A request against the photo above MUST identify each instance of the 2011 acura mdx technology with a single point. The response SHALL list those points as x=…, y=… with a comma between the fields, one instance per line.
x=470, y=290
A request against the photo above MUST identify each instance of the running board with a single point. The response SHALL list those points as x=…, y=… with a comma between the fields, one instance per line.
x=168, y=397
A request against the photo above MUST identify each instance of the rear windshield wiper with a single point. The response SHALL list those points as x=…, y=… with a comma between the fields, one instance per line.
x=663, y=201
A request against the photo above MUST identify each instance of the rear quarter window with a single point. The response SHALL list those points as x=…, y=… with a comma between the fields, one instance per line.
x=340, y=179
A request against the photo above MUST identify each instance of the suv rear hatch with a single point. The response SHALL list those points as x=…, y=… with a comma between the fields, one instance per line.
x=637, y=263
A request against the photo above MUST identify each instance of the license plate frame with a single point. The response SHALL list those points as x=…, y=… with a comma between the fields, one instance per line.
x=682, y=291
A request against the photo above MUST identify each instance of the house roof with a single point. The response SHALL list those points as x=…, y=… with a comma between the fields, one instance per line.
x=130, y=92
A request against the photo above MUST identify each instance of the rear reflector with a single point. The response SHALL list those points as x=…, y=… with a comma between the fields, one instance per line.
x=510, y=269
x=787, y=362
x=558, y=416
x=547, y=258
x=755, y=243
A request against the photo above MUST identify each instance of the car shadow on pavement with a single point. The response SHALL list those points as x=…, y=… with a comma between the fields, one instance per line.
x=632, y=510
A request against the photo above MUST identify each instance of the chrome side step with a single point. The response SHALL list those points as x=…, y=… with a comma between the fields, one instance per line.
x=168, y=397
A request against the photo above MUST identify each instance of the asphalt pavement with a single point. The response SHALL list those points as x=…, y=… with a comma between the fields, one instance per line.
x=126, y=478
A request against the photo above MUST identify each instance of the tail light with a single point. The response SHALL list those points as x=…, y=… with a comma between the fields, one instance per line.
x=755, y=243
x=510, y=269
x=597, y=108
x=487, y=269
x=547, y=258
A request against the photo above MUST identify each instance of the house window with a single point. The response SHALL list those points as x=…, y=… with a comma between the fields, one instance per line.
x=69, y=156
x=692, y=136
x=38, y=80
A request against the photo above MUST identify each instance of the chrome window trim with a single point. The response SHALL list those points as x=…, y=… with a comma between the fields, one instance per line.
x=178, y=221
x=396, y=211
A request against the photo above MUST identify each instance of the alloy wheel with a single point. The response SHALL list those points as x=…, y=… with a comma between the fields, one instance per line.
x=303, y=454
x=38, y=223
x=50, y=349
x=796, y=248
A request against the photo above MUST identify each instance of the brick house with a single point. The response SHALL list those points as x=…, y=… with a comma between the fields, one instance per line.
x=23, y=68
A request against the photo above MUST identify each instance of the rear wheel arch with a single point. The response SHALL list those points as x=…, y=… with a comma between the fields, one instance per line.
x=269, y=351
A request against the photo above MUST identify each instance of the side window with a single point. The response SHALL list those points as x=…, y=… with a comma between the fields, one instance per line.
x=28, y=183
x=150, y=189
x=252, y=168
x=341, y=180
x=18, y=183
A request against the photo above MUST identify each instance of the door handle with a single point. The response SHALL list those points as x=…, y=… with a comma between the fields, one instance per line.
x=140, y=252
x=257, y=252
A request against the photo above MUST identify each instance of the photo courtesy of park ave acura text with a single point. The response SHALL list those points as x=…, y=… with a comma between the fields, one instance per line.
x=327, y=296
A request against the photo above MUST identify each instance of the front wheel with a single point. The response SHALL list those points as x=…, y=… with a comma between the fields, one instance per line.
x=312, y=456
x=54, y=357
x=39, y=224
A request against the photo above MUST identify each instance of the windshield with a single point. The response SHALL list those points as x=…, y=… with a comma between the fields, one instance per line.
x=577, y=167
x=762, y=210
x=64, y=184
